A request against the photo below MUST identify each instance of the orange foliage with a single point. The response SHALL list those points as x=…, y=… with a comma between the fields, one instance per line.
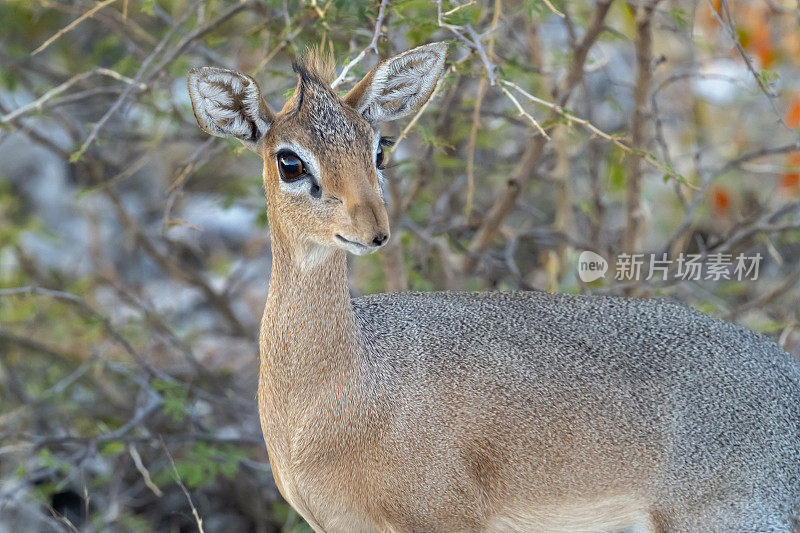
x=793, y=113
x=720, y=201
x=791, y=46
x=753, y=27
x=790, y=180
x=761, y=40
x=707, y=17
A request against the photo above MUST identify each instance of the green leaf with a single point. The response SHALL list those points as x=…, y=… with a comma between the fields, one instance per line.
x=148, y=6
x=75, y=156
x=768, y=77
x=114, y=447
x=680, y=17
x=8, y=80
x=616, y=175
x=47, y=459
x=174, y=398
x=467, y=15
x=126, y=66
x=262, y=220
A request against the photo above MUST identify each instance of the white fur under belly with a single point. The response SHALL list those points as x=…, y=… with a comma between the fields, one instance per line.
x=609, y=515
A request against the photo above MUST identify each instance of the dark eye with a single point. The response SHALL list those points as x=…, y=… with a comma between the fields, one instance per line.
x=290, y=166
x=379, y=157
x=384, y=141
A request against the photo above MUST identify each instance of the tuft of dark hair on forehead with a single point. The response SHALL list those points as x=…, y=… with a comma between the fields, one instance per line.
x=315, y=65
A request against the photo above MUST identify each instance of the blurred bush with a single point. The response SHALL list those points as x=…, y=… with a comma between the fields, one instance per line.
x=134, y=252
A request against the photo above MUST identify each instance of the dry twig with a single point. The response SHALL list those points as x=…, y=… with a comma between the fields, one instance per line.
x=71, y=26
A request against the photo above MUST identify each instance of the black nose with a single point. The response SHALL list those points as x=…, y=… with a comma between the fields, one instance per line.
x=379, y=239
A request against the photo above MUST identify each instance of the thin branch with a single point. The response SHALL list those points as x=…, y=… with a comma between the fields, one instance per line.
x=189, y=39
x=634, y=227
x=473, y=137
x=504, y=204
x=552, y=8
x=55, y=91
x=196, y=515
x=521, y=110
x=594, y=130
x=457, y=8
x=731, y=31
x=280, y=46
x=72, y=25
x=581, y=52
x=421, y=110
x=177, y=51
x=476, y=112
x=763, y=152
x=488, y=64
x=86, y=309
x=168, y=265
x=688, y=219
x=137, y=461
x=373, y=45
x=139, y=76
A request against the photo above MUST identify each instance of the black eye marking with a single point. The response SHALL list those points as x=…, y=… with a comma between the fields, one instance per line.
x=290, y=166
x=316, y=190
x=384, y=141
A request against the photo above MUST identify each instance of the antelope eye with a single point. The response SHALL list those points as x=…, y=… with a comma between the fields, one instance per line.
x=290, y=166
x=379, y=157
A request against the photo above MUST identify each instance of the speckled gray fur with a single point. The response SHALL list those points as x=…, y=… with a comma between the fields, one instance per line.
x=486, y=412
x=717, y=405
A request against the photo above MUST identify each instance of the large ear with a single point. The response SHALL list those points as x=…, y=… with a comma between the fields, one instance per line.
x=399, y=85
x=229, y=104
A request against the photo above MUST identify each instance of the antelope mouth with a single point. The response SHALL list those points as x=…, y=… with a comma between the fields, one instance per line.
x=355, y=246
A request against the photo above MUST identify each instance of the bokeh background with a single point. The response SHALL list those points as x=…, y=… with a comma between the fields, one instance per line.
x=134, y=249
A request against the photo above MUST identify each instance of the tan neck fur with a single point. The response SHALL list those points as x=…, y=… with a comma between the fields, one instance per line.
x=308, y=333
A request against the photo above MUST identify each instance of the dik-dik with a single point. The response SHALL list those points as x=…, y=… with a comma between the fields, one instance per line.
x=504, y=411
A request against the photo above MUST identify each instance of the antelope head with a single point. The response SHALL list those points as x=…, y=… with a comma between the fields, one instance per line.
x=322, y=153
